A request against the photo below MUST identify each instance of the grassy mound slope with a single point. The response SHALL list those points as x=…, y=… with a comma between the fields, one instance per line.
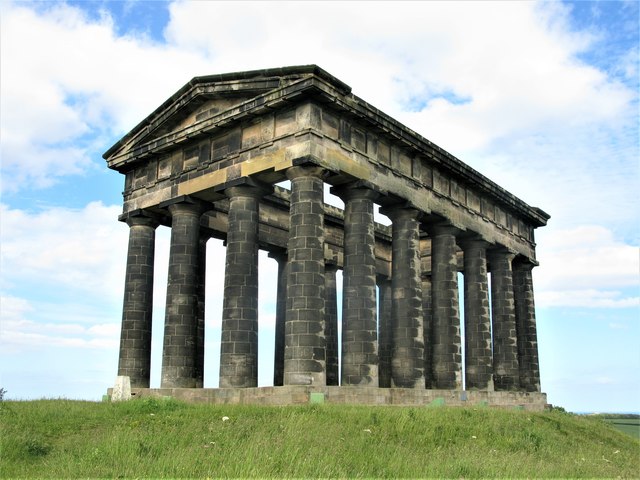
x=165, y=438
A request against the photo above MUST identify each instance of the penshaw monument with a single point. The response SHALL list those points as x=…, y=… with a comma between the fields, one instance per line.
x=206, y=163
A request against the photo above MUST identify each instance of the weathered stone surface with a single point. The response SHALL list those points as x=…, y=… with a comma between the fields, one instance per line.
x=200, y=333
x=526, y=326
x=359, y=310
x=305, y=345
x=477, y=320
x=352, y=395
x=135, y=337
x=180, y=352
x=385, y=329
x=239, y=344
x=407, y=358
x=506, y=374
x=331, y=324
x=121, y=389
x=445, y=338
x=281, y=313
x=204, y=148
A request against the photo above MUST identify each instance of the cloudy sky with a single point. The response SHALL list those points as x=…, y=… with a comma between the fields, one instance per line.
x=541, y=97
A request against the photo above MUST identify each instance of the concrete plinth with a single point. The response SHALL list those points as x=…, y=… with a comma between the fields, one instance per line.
x=122, y=389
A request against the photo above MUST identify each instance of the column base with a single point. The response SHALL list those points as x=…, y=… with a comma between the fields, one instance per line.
x=301, y=395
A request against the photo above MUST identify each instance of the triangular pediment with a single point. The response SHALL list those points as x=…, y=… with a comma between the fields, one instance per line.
x=204, y=98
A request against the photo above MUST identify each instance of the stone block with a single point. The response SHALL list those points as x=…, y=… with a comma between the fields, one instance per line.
x=121, y=389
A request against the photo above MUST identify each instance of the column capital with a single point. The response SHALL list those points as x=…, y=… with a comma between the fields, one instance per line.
x=441, y=227
x=472, y=242
x=500, y=252
x=245, y=187
x=306, y=171
x=524, y=263
x=250, y=191
x=331, y=267
x=381, y=278
x=359, y=189
x=279, y=254
x=186, y=204
x=399, y=211
x=140, y=217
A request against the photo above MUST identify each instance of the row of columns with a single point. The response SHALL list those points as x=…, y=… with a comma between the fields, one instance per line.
x=411, y=341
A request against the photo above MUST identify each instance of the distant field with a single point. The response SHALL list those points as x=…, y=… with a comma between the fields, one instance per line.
x=630, y=426
x=153, y=438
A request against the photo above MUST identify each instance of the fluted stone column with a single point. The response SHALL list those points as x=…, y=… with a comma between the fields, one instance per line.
x=385, y=332
x=202, y=277
x=506, y=375
x=331, y=323
x=526, y=327
x=427, y=326
x=135, y=338
x=281, y=311
x=239, y=345
x=305, y=346
x=445, y=342
x=181, y=317
x=477, y=320
x=407, y=362
x=359, y=311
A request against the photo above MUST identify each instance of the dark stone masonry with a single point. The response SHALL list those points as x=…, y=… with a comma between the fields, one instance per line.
x=207, y=164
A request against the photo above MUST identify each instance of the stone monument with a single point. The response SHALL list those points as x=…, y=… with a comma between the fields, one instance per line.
x=206, y=163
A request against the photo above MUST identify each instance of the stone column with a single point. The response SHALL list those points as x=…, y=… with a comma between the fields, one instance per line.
x=407, y=362
x=385, y=332
x=305, y=346
x=427, y=327
x=445, y=342
x=181, y=317
x=135, y=338
x=526, y=326
x=331, y=323
x=477, y=320
x=239, y=345
x=359, y=318
x=281, y=311
x=202, y=277
x=506, y=375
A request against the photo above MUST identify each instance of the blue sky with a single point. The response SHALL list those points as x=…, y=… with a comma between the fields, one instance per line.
x=541, y=97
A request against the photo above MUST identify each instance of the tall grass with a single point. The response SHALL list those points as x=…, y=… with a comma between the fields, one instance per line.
x=165, y=438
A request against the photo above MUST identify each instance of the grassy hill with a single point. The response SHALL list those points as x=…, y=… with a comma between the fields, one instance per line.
x=165, y=438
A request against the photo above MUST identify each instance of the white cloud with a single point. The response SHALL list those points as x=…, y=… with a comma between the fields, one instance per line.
x=68, y=81
x=589, y=298
x=18, y=332
x=79, y=249
x=587, y=267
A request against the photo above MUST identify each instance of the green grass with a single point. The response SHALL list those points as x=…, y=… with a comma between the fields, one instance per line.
x=629, y=424
x=165, y=438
